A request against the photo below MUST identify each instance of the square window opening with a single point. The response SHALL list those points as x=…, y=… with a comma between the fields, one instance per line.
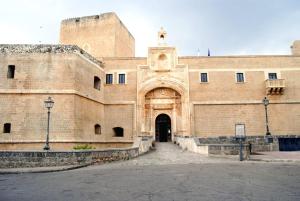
x=7, y=128
x=272, y=76
x=97, y=83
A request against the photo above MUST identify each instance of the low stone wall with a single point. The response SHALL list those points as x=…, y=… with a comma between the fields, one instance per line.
x=144, y=143
x=227, y=145
x=62, y=146
x=258, y=143
x=228, y=149
x=196, y=145
x=16, y=159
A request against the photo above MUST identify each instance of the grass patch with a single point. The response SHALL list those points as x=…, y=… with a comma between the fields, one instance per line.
x=83, y=147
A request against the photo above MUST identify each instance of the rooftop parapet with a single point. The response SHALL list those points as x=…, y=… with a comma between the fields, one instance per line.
x=9, y=49
x=87, y=18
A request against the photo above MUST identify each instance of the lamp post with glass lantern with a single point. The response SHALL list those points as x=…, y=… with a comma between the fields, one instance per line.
x=48, y=104
x=269, y=138
x=266, y=103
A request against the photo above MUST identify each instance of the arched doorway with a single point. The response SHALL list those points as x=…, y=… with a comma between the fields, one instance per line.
x=163, y=128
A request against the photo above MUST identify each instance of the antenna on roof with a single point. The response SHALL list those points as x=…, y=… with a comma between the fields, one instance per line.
x=40, y=41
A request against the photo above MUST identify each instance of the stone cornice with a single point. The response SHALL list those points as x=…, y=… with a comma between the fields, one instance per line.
x=243, y=102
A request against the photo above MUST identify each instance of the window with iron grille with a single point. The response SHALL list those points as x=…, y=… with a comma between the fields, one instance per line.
x=122, y=78
x=272, y=76
x=109, y=78
x=240, y=77
x=203, y=77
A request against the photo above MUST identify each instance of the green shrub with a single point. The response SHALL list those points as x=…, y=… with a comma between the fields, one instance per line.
x=83, y=147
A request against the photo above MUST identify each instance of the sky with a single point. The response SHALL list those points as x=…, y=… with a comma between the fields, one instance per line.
x=225, y=27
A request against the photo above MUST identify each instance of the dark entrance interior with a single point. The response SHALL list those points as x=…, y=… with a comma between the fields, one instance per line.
x=163, y=128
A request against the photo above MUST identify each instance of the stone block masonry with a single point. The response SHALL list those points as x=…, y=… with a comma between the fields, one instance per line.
x=9, y=49
x=17, y=159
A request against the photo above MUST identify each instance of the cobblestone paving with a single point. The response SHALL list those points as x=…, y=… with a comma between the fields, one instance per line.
x=165, y=174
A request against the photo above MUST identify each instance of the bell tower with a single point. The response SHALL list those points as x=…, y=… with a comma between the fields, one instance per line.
x=161, y=39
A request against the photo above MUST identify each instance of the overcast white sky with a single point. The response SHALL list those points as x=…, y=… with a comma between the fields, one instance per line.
x=226, y=27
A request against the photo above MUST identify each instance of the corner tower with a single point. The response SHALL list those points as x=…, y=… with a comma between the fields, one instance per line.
x=100, y=35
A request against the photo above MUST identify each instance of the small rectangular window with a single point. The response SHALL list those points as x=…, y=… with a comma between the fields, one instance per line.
x=7, y=128
x=119, y=132
x=272, y=76
x=109, y=78
x=122, y=78
x=97, y=82
x=203, y=77
x=240, y=77
x=11, y=72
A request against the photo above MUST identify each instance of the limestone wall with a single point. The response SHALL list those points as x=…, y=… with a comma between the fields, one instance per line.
x=28, y=117
x=66, y=73
x=120, y=115
x=100, y=35
x=122, y=93
x=222, y=102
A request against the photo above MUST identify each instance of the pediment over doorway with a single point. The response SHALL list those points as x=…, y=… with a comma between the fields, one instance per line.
x=162, y=93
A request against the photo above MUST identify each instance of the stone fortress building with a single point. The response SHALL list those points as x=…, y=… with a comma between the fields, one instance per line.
x=107, y=97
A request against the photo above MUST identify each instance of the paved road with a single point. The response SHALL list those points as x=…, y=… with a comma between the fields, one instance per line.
x=166, y=174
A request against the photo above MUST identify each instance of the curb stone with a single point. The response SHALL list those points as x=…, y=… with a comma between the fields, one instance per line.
x=41, y=169
x=276, y=160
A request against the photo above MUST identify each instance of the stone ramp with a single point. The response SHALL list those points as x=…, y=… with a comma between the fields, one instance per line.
x=166, y=153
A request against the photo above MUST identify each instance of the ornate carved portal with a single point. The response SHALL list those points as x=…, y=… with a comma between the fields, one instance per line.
x=162, y=101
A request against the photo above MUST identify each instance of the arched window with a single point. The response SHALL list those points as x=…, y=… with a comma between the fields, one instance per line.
x=163, y=61
x=119, y=131
x=7, y=128
x=97, y=129
x=97, y=82
x=162, y=57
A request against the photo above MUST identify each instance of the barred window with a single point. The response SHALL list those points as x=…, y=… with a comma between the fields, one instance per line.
x=109, y=78
x=272, y=76
x=240, y=77
x=121, y=78
x=203, y=77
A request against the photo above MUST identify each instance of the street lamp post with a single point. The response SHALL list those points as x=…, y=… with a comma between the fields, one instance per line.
x=268, y=133
x=48, y=104
x=266, y=103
